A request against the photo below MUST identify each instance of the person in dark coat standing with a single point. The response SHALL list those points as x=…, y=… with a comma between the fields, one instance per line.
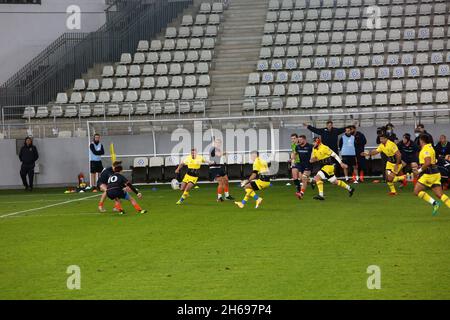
x=360, y=145
x=328, y=135
x=28, y=155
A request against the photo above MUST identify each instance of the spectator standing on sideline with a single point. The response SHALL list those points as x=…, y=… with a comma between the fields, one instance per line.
x=420, y=129
x=348, y=154
x=329, y=135
x=360, y=144
x=28, y=155
x=96, y=150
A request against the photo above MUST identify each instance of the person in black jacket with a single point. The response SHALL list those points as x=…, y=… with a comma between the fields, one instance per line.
x=329, y=135
x=420, y=129
x=28, y=155
x=360, y=144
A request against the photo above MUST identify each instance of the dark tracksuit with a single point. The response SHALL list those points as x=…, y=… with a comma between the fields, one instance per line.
x=360, y=144
x=28, y=156
x=329, y=137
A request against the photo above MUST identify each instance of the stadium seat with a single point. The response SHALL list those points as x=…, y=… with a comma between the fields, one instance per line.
x=70, y=111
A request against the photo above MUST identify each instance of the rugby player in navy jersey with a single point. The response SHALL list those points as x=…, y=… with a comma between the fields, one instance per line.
x=117, y=190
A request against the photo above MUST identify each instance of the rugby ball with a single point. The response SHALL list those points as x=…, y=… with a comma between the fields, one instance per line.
x=175, y=184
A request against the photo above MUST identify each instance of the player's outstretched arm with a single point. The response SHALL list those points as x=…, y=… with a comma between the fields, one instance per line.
x=339, y=160
x=177, y=170
x=134, y=189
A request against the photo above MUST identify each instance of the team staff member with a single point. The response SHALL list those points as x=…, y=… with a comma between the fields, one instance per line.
x=393, y=163
x=442, y=149
x=324, y=156
x=348, y=153
x=193, y=162
x=329, y=135
x=420, y=129
x=96, y=150
x=429, y=175
x=303, y=151
x=258, y=180
x=28, y=155
x=360, y=144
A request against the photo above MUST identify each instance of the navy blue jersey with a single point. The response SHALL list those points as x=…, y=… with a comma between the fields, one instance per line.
x=409, y=152
x=304, y=152
x=104, y=176
x=117, y=181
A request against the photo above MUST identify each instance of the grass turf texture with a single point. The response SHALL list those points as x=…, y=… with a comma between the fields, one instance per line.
x=287, y=249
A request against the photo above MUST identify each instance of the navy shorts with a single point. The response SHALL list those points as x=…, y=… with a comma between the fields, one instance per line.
x=117, y=194
x=302, y=167
x=96, y=167
x=216, y=172
x=409, y=160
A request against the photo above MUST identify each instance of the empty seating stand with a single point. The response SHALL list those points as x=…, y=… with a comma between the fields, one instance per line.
x=324, y=55
x=164, y=76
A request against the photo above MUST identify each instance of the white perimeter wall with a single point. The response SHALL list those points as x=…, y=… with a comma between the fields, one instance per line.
x=61, y=160
x=25, y=35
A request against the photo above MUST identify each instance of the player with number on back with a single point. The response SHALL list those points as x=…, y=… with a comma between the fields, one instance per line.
x=102, y=183
x=117, y=189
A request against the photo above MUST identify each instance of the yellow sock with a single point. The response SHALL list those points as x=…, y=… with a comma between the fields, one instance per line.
x=248, y=194
x=399, y=178
x=185, y=194
x=426, y=197
x=445, y=200
x=342, y=184
x=320, y=187
x=391, y=186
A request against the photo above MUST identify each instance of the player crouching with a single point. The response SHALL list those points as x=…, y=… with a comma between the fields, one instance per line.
x=102, y=183
x=258, y=180
x=323, y=155
x=429, y=175
x=117, y=184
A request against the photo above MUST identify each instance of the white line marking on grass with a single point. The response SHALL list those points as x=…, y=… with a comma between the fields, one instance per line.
x=55, y=215
x=48, y=206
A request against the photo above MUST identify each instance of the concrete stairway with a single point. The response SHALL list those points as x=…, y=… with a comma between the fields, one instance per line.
x=236, y=54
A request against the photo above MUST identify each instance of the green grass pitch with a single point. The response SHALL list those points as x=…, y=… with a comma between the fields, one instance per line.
x=287, y=249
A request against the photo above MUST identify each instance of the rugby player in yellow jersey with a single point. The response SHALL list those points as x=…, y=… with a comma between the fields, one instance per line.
x=393, y=163
x=258, y=180
x=429, y=175
x=323, y=155
x=193, y=162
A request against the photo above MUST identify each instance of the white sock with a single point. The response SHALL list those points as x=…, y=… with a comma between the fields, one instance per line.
x=227, y=194
x=431, y=201
x=219, y=196
x=321, y=194
x=346, y=178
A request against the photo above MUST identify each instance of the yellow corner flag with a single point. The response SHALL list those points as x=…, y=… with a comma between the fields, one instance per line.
x=112, y=152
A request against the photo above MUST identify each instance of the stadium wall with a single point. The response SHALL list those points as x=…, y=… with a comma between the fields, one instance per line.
x=33, y=27
x=61, y=160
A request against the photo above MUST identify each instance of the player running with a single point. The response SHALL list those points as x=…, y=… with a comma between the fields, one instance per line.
x=323, y=155
x=258, y=180
x=102, y=183
x=193, y=161
x=429, y=175
x=295, y=162
x=393, y=163
x=117, y=190
x=303, y=151
x=217, y=171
